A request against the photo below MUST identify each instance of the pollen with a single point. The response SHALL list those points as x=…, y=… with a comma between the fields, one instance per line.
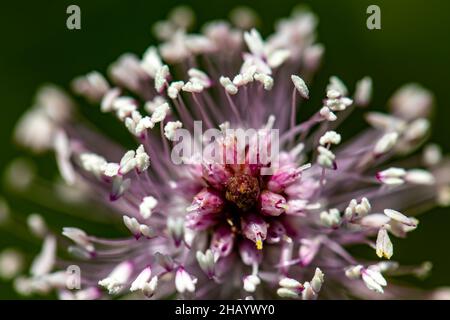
x=243, y=190
x=259, y=244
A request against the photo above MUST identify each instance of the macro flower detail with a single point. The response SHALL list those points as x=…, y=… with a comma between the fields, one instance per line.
x=261, y=204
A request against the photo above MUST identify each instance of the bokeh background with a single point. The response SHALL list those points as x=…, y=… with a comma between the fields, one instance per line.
x=36, y=47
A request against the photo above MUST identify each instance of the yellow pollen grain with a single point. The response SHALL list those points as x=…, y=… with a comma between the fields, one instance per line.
x=259, y=244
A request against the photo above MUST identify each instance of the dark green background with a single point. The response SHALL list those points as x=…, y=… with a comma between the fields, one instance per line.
x=413, y=45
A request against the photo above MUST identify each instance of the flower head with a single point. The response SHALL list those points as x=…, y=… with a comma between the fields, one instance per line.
x=259, y=203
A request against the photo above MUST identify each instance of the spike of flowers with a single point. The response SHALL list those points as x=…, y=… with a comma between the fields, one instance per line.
x=221, y=224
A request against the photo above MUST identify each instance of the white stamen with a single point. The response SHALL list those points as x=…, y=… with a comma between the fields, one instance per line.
x=312, y=56
x=45, y=260
x=278, y=57
x=287, y=293
x=327, y=114
x=384, y=247
x=420, y=176
x=151, y=105
x=330, y=218
x=175, y=226
x=373, y=280
x=385, y=122
x=248, y=74
x=148, y=289
x=108, y=99
x=385, y=143
x=363, y=92
x=411, y=101
x=317, y=280
x=11, y=263
x=93, y=163
x=35, y=130
x=228, y=85
x=141, y=279
x=79, y=237
x=206, y=261
x=147, y=205
x=375, y=220
x=290, y=283
x=142, y=159
x=400, y=217
x=301, y=86
x=131, y=122
x=93, y=86
x=174, y=89
x=432, y=155
x=337, y=85
x=133, y=225
x=63, y=154
x=254, y=42
x=308, y=292
x=118, y=278
x=355, y=210
x=325, y=158
x=37, y=225
x=251, y=282
x=161, y=77
x=128, y=162
x=124, y=106
x=171, y=128
x=354, y=272
x=193, y=87
x=297, y=150
x=151, y=62
x=330, y=137
x=184, y=282
x=417, y=129
x=199, y=44
x=160, y=113
x=265, y=79
x=111, y=169
x=143, y=124
x=337, y=103
x=392, y=176
x=198, y=76
x=147, y=231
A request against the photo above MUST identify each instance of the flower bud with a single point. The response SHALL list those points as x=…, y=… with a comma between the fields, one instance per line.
x=222, y=241
x=254, y=228
x=384, y=246
x=206, y=262
x=284, y=177
x=272, y=204
x=184, y=282
x=249, y=254
x=175, y=227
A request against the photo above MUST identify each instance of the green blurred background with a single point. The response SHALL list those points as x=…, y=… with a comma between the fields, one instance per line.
x=412, y=46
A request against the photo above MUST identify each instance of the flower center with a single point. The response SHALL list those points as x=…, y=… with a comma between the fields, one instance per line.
x=243, y=191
